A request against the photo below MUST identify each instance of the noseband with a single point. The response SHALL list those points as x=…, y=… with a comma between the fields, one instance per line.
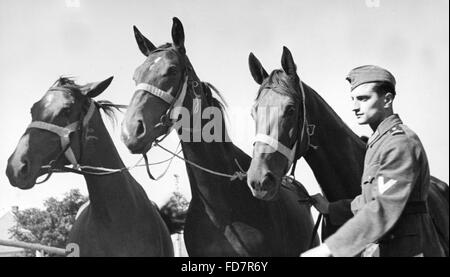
x=175, y=103
x=64, y=132
x=296, y=151
x=64, y=135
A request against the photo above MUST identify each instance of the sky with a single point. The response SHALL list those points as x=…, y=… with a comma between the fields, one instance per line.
x=42, y=40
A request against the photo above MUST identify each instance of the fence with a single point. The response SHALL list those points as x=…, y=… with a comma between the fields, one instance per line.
x=70, y=251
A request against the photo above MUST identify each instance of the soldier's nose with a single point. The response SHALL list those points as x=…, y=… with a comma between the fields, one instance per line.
x=355, y=106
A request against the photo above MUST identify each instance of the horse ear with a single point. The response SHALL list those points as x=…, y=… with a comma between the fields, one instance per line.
x=178, y=35
x=257, y=70
x=287, y=62
x=92, y=90
x=144, y=44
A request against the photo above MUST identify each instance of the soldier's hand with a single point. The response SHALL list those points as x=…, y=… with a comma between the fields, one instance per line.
x=320, y=203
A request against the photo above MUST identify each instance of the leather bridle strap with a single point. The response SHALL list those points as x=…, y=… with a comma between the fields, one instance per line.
x=297, y=150
x=278, y=146
x=175, y=102
x=169, y=99
x=64, y=132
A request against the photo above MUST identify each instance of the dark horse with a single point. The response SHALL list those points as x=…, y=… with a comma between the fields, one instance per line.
x=67, y=128
x=332, y=150
x=223, y=219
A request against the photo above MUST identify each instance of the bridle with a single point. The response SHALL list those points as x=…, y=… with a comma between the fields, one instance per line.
x=64, y=135
x=298, y=149
x=295, y=152
x=175, y=103
x=168, y=119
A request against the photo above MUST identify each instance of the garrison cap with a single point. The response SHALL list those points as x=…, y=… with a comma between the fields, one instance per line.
x=369, y=74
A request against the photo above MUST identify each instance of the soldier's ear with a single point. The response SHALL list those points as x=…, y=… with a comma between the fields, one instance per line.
x=388, y=100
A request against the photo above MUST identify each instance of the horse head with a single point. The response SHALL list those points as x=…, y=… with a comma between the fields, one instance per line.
x=159, y=80
x=166, y=88
x=278, y=112
x=56, y=133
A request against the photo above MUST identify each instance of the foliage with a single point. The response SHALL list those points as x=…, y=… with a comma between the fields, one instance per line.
x=174, y=212
x=50, y=226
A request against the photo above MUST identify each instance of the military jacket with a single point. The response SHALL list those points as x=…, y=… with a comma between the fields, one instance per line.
x=391, y=209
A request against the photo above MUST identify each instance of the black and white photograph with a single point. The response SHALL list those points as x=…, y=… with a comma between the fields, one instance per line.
x=207, y=128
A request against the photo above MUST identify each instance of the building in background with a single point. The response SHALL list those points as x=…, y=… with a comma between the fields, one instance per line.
x=7, y=221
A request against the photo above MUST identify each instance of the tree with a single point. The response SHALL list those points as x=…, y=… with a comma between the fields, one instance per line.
x=174, y=212
x=50, y=226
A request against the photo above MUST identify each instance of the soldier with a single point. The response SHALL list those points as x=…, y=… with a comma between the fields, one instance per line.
x=390, y=216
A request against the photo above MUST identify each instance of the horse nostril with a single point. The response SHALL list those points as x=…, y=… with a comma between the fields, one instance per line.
x=269, y=179
x=23, y=171
x=140, y=130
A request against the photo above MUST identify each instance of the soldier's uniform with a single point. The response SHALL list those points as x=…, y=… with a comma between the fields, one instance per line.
x=391, y=209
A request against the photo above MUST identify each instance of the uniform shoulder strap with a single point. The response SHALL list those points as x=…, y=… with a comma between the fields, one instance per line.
x=396, y=130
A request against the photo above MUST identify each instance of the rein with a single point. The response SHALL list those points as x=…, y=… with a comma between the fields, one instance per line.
x=168, y=120
x=64, y=134
x=294, y=153
x=241, y=175
x=223, y=225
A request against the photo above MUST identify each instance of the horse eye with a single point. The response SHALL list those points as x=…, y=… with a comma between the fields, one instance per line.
x=172, y=70
x=66, y=111
x=290, y=111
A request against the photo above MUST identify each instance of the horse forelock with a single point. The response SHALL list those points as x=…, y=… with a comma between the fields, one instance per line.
x=65, y=83
x=68, y=84
x=282, y=84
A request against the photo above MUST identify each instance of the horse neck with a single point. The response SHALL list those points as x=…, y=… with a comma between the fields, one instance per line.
x=112, y=195
x=216, y=155
x=338, y=161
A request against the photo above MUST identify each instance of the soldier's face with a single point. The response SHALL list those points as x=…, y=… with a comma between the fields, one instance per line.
x=368, y=106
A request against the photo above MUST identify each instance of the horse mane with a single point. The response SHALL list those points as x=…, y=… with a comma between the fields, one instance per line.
x=282, y=84
x=338, y=123
x=162, y=47
x=68, y=83
x=219, y=102
x=109, y=109
x=207, y=87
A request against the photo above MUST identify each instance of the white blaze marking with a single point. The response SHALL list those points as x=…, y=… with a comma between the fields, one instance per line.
x=382, y=187
x=155, y=62
x=49, y=100
x=125, y=131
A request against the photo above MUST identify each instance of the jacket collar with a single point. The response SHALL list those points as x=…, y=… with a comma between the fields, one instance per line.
x=387, y=124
